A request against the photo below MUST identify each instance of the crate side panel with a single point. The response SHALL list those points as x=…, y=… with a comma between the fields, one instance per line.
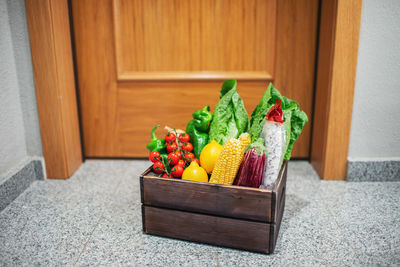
x=214, y=230
x=242, y=203
x=279, y=192
x=275, y=227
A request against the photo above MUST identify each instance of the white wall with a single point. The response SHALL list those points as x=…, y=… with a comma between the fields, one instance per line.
x=375, y=129
x=19, y=128
x=23, y=64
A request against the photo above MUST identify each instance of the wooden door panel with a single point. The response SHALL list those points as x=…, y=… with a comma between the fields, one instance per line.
x=144, y=62
x=170, y=103
x=295, y=59
x=186, y=39
x=96, y=73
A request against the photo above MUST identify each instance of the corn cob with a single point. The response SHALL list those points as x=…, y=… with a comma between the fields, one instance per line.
x=229, y=160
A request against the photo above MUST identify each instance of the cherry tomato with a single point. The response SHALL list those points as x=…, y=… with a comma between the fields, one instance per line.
x=197, y=160
x=173, y=158
x=188, y=147
x=181, y=163
x=155, y=156
x=166, y=176
x=177, y=171
x=158, y=167
x=184, y=137
x=189, y=157
x=170, y=137
x=172, y=147
x=178, y=152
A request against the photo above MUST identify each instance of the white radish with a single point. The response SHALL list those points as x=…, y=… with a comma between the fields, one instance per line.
x=274, y=135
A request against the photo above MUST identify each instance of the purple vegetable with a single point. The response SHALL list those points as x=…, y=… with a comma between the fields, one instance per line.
x=251, y=170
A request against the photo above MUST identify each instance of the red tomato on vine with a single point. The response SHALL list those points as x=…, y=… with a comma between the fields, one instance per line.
x=155, y=156
x=188, y=147
x=170, y=137
x=184, y=137
x=173, y=158
x=158, y=167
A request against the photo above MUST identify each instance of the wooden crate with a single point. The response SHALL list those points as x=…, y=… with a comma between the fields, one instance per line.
x=223, y=215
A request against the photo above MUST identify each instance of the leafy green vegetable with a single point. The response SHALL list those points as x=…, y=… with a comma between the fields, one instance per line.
x=230, y=118
x=298, y=120
x=295, y=119
x=259, y=113
x=227, y=86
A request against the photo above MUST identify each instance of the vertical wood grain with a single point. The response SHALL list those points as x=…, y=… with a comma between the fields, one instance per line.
x=338, y=49
x=97, y=77
x=296, y=42
x=323, y=86
x=190, y=36
x=49, y=30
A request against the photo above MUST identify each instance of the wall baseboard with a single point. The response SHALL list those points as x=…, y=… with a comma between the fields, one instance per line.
x=373, y=171
x=13, y=185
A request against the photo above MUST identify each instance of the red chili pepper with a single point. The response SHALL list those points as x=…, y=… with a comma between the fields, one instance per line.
x=275, y=113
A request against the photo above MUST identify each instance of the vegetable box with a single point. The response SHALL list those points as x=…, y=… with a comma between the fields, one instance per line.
x=223, y=215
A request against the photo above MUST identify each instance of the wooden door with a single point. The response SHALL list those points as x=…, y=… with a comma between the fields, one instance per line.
x=147, y=62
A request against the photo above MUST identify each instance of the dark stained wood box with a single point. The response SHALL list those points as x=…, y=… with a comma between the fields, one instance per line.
x=223, y=215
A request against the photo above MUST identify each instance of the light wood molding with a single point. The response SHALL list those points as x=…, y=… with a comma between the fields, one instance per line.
x=199, y=75
x=338, y=51
x=49, y=30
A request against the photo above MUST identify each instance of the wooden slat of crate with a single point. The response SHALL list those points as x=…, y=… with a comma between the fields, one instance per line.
x=279, y=192
x=214, y=199
x=275, y=227
x=214, y=230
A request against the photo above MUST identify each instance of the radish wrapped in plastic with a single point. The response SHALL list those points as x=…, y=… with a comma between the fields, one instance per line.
x=274, y=135
x=251, y=171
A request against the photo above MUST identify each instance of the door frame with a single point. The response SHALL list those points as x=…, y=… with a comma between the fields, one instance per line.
x=52, y=58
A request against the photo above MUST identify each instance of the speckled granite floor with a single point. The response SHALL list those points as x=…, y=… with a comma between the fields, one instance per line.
x=94, y=219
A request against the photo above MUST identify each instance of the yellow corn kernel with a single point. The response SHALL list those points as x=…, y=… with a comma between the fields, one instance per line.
x=229, y=160
x=245, y=140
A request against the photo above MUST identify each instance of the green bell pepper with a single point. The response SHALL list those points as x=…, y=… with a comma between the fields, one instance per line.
x=156, y=144
x=198, y=129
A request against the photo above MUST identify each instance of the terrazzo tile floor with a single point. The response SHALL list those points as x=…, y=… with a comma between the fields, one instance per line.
x=94, y=218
